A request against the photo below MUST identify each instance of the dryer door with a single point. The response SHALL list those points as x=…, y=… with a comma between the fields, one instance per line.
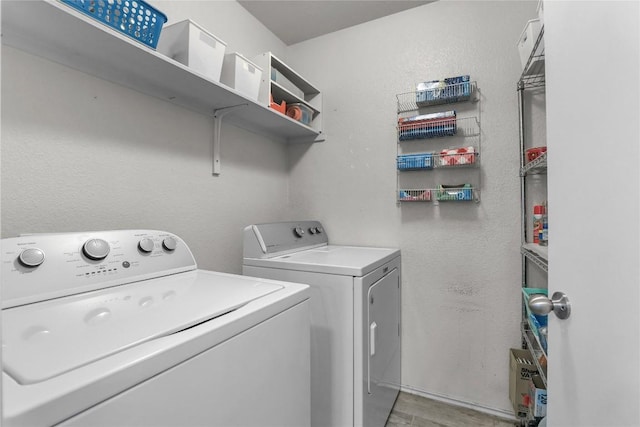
x=383, y=350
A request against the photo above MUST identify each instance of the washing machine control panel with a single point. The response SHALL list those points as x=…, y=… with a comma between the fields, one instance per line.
x=38, y=267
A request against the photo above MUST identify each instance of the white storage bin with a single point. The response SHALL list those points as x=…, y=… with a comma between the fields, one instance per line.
x=528, y=40
x=193, y=46
x=241, y=74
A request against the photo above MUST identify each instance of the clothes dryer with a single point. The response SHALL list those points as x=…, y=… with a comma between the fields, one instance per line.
x=355, y=317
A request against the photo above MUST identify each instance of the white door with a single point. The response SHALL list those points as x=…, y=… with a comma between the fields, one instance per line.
x=593, y=116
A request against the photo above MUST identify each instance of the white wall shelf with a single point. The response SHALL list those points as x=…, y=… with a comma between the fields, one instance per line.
x=56, y=32
x=284, y=84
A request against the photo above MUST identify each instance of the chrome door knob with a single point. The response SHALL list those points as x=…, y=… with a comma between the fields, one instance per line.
x=559, y=304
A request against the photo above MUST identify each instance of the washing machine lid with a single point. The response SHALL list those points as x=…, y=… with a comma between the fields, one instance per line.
x=46, y=339
x=332, y=259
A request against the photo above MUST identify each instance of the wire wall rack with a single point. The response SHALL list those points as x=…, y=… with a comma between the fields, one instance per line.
x=447, y=94
x=450, y=158
x=444, y=193
x=414, y=128
x=431, y=137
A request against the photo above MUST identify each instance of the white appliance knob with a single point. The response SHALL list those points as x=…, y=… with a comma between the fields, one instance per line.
x=319, y=230
x=170, y=243
x=299, y=231
x=312, y=230
x=96, y=249
x=31, y=257
x=146, y=245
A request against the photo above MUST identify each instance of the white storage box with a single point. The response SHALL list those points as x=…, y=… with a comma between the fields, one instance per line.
x=193, y=46
x=528, y=40
x=241, y=74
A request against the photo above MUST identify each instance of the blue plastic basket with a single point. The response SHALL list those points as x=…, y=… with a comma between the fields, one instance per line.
x=134, y=18
x=415, y=161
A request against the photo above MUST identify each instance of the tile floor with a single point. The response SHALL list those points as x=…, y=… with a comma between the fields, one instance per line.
x=412, y=410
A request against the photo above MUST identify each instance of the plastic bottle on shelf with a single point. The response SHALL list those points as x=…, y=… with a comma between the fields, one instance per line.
x=538, y=215
x=544, y=232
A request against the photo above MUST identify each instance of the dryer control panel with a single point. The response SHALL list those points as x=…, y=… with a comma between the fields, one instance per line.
x=279, y=238
x=39, y=267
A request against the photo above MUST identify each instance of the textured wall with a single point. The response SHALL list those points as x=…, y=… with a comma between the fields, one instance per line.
x=79, y=153
x=461, y=263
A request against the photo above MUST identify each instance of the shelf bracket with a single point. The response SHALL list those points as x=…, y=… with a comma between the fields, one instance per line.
x=218, y=115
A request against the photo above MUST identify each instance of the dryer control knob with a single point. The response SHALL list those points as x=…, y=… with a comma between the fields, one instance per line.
x=313, y=230
x=170, y=243
x=31, y=257
x=298, y=231
x=319, y=230
x=146, y=245
x=96, y=249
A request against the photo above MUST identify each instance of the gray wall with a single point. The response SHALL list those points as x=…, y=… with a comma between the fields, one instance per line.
x=79, y=153
x=461, y=263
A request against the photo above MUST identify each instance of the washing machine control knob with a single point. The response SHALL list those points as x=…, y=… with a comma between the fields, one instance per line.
x=298, y=231
x=170, y=243
x=31, y=258
x=146, y=245
x=313, y=230
x=319, y=230
x=96, y=249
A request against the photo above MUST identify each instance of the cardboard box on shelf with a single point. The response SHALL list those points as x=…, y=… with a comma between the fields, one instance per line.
x=521, y=369
x=537, y=397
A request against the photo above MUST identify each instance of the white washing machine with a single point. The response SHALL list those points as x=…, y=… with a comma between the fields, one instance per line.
x=120, y=328
x=355, y=317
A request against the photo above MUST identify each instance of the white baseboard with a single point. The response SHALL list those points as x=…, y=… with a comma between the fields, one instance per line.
x=501, y=413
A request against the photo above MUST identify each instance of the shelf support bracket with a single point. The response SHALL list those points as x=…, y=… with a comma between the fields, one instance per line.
x=218, y=115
